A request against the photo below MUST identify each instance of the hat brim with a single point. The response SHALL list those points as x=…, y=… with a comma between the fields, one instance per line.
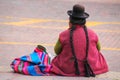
x=84, y=15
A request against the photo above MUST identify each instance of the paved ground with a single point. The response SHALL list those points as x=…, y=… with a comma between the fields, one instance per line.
x=26, y=23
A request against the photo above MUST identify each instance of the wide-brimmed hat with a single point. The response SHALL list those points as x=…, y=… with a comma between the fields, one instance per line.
x=78, y=12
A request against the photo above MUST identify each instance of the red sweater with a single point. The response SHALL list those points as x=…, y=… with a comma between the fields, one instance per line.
x=63, y=64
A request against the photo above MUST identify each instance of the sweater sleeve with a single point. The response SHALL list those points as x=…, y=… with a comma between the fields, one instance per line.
x=58, y=47
x=98, y=46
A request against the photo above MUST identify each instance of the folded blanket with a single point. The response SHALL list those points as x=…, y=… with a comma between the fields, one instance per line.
x=36, y=64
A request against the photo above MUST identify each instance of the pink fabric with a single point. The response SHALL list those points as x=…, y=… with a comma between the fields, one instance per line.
x=63, y=64
x=25, y=68
x=16, y=66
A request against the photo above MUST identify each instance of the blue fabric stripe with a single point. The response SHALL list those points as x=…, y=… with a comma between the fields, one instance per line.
x=32, y=71
x=23, y=58
x=35, y=58
x=42, y=67
x=42, y=58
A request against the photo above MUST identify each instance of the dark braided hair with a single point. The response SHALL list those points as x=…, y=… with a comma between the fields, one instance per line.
x=75, y=21
x=88, y=69
x=77, y=71
x=79, y=21
x=87, y=40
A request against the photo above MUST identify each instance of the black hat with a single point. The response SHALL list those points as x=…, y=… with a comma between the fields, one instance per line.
x=78, y=12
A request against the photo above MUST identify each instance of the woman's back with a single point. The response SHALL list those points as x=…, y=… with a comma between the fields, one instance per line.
x=63, y=64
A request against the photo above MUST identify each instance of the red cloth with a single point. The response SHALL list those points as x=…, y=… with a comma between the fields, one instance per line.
x=63, y=64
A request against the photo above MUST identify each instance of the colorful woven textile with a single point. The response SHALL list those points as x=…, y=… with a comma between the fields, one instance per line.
x=36, y=64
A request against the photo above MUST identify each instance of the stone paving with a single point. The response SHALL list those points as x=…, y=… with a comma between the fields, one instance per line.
x=27, y=23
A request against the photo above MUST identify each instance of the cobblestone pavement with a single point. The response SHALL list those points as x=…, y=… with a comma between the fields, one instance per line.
x=27, y=23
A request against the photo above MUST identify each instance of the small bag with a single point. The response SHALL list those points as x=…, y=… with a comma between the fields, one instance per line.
x=36, y=64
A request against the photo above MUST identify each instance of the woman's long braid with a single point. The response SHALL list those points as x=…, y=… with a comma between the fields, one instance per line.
x=88, y=70
x=77, y=71
x=87, y=40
